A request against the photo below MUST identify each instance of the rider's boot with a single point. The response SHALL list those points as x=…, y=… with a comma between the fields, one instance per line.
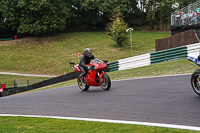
x=81, y=78
x=84, y=81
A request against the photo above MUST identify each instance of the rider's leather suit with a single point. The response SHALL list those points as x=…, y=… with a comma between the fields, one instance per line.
x=83, y=64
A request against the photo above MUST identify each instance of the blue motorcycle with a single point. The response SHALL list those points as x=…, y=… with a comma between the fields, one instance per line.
x=195, y=78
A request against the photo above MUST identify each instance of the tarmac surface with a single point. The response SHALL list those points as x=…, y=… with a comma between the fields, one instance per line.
x=168, y=100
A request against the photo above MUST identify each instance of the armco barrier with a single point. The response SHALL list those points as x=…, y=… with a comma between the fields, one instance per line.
x=112, y=66
x=193, y=49
x=169, y=54
x=6, y=39
x=155, y=57
x=14, y=90
x=128, y=63
x=135, y=61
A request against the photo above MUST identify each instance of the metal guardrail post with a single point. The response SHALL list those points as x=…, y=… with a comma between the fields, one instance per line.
x=15, y=84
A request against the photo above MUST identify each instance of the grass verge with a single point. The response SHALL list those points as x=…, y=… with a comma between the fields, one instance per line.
x=51, y=55
x=20, y=80
x=43, y=125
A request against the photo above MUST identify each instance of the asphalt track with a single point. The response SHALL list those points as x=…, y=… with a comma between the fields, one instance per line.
x=168, y=100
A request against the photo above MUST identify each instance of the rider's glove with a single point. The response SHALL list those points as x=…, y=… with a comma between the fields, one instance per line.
x=88, y=67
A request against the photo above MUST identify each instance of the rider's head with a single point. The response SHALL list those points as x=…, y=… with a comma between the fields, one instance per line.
x=88, y=52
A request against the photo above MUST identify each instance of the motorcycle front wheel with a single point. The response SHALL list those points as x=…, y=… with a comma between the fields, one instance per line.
x=106, y=84
x=195, y=81
x=82, y=85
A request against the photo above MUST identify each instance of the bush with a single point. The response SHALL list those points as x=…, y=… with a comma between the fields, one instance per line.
x=117, y=29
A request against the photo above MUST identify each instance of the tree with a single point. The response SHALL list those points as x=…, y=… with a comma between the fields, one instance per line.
x=45, y=16
x=41, y=16
x=35, y=17
x=151, y=13
x=167, y=10
x=10, y=13
x=184, y=3
x=117, y=29
x=2, y=25
x=159, y=13
x=135, y=14
x=91, y=14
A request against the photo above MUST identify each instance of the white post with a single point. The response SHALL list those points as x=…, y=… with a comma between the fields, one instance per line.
x=131, y=43
x=130, y=29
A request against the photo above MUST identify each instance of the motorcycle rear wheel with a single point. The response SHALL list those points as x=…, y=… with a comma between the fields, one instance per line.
x=106, y=84
x=82, y=85
x=195, y=81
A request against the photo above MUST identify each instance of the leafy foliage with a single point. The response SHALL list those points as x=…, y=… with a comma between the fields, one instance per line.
x=38, y=17
x=41, y=17
x=35, y=17
x=91, y=14
x=10, y=13
x=117, y=29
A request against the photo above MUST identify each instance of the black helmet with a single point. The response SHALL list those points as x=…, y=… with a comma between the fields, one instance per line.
x=88, y=52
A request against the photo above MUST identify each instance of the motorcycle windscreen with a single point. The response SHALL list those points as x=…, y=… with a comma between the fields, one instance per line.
x=98, y=64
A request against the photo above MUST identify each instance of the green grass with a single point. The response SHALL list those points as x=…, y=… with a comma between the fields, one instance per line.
x=51, y=55
x=21, y=80
x=43, y=125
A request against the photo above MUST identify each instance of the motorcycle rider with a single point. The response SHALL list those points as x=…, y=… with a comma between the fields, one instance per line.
x=85, y=59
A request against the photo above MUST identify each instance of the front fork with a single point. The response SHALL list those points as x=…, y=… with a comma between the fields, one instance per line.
x=100, y=75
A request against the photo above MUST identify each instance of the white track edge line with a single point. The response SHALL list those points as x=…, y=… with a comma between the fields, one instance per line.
x=113, y=121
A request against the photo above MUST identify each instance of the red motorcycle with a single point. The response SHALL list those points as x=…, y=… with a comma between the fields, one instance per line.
x=96, y=76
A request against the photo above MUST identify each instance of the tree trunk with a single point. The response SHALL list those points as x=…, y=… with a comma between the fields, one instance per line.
x=154, y=10
x=161, y=21
x=141, y=5
x=155, y=27
x=94, y=20
x=154, y=13
x=168, y=26
x=160, y=26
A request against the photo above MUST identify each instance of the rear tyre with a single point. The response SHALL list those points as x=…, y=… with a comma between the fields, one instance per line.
x=82, y=85
x=106, y=84
x=195, y=81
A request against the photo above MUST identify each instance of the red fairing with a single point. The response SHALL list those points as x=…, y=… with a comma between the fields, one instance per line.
x=92, y=77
